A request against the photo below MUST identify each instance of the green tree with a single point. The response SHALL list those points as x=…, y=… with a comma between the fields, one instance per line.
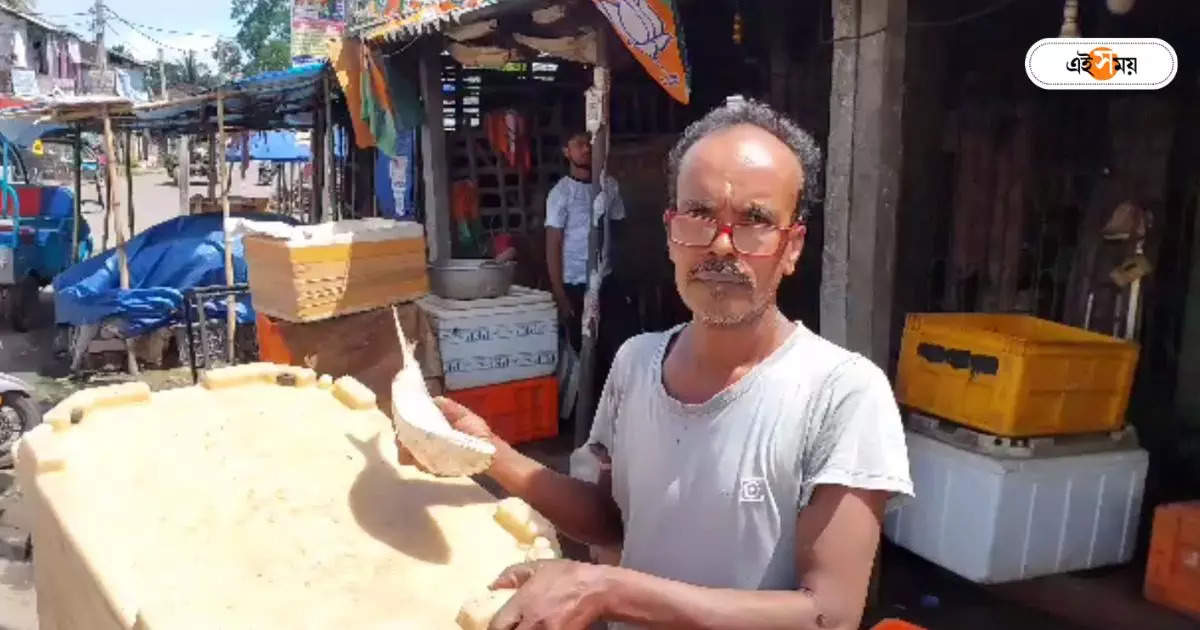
x=185, y=71
x=120, y=49
x=264, y=33
x=193, y=71
x=228, y=57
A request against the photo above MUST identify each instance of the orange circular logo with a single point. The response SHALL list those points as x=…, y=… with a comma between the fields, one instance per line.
x=1103, y=63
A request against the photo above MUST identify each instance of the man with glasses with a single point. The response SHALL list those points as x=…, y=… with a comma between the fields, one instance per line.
x=748, y=461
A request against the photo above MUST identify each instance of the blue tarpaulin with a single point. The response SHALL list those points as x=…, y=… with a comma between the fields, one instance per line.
x=164, y=261
x=279, y=146
x=271, y=146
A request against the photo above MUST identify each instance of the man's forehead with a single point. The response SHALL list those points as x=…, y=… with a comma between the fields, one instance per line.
x=744, y=149
x=743, y=145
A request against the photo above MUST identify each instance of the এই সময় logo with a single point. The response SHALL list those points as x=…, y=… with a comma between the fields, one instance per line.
x=1102, y=63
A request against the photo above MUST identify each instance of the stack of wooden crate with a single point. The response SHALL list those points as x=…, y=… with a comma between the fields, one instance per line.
x=499, y=357
x=337, y=268
x=334, y=297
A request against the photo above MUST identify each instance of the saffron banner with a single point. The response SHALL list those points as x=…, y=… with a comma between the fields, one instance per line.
x=651, y=31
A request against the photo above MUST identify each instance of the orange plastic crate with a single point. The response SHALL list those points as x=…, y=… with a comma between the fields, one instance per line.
x=520, y=411
x=1015, y=375
x=271, y=346
x=1173, y=570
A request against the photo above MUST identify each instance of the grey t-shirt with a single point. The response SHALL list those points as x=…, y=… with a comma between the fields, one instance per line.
x=709, y=493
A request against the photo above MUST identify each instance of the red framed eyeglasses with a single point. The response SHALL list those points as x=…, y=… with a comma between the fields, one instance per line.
x=749, y=239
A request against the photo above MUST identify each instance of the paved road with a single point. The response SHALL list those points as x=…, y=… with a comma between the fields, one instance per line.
x=18, y=601
x=156, y=199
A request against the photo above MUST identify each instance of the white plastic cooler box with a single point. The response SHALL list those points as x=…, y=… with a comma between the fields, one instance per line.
x=992, y=519
x=497, y=340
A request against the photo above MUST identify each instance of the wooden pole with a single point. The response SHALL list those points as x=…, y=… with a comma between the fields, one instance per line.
x=110, y=173
x=318, y=209
x=328, y=184
x=352, y=179
x=863, y=178
x=598, y=123
x=212, y=162
x=129, y=178
x=122, y=261
x=101, y=50
x=230, y=301
x=433, y=154
x=183, y=174
x=162, y=76
x=1187, y=399
x=78, y=195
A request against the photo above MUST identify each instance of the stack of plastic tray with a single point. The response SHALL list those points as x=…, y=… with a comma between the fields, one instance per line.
x=1020, y=458
x=1015, y=375
x=499, y=357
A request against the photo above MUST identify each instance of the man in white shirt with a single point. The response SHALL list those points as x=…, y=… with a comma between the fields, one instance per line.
x=568, y=206
x=748, y=459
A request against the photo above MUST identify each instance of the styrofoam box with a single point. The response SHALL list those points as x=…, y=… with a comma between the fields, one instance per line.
x=993, y=519
x=497, y=340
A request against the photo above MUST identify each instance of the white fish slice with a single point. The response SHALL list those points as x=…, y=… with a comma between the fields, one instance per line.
x=424, y=431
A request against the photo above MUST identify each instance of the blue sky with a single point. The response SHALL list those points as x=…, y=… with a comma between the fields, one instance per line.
x=196, y=23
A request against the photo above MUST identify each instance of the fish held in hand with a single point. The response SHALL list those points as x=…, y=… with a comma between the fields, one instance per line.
x=423, y=430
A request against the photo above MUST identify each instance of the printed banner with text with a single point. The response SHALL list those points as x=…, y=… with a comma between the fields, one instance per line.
x=314, y=23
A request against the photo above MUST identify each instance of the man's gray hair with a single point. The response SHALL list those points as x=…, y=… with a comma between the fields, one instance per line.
x=740, y=111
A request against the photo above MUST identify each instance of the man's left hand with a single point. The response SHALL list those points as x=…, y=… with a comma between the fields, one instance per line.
x=552, y=595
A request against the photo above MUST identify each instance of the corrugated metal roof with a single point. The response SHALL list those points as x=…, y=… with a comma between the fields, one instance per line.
x=272, y=100
x=416, y=17
x=267, y=101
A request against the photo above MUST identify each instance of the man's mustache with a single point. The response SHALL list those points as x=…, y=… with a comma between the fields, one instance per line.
x=719, y=270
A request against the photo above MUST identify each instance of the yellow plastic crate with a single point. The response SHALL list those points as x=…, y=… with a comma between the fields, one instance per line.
x=1015, y=375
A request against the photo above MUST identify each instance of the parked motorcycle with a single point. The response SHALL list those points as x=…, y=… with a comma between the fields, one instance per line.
x=19, y=412
x=266, y=173
x=197, y=164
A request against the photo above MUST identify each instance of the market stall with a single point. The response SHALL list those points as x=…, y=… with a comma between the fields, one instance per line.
x=298, y=98
x=488, y=159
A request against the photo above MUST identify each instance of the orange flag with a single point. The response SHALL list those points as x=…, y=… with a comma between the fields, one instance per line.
x=650, y=30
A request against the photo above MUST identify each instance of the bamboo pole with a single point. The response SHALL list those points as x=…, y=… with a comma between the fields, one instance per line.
x=212, y=158
x=78, y=195
x=183, y=173
x=600, y=90
x=328, y=185
x=122, y=260
x=317, y=207
x=230, y=300
x=129, y=178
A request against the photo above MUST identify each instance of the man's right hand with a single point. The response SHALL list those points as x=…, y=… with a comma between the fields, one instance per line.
x=464, y=420
x=460, y=419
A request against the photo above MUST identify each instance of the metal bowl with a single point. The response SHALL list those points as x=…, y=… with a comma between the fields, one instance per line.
x=469, y=279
